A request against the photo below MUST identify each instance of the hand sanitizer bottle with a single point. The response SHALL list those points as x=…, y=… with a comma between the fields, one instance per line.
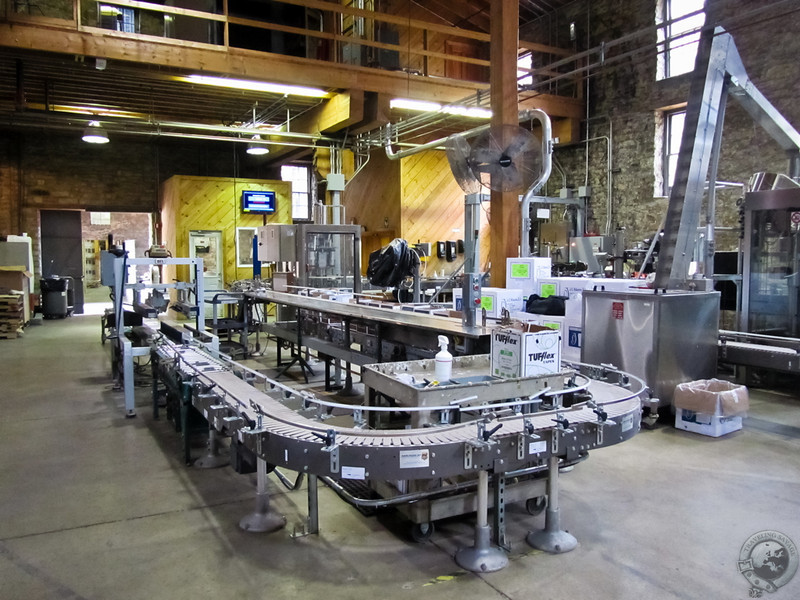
x=444, y=362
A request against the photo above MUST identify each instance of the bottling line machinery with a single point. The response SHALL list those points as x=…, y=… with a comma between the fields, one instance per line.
x=518, y=432
x=125, y=321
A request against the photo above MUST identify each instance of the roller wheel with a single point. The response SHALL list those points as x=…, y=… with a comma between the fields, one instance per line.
x=422, y=532
x=535, y=506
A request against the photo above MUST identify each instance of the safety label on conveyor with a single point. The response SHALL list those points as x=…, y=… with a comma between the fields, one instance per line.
x=354, y=473
x=627, y=423
x=537, y=447
x=414, y=459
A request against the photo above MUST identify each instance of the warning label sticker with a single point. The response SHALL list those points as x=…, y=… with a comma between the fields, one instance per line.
x=414, y=459
x=618, y=310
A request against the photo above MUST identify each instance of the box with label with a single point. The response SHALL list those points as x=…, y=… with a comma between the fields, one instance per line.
x=525, y=352
x=713, y=425
x=525, y=273
x=548, y=286
x=494, y=300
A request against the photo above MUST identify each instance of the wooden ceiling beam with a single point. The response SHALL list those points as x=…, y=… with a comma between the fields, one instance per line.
x=153, y=50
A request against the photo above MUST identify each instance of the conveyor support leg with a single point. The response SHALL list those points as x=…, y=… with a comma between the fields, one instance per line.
x=552, y=538
x=482, y=557
x=263, y=519
x=213, y=459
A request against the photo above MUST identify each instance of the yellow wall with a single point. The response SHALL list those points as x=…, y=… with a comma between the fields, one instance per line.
x=416, y=199
x=432, y=208
x=214, y=203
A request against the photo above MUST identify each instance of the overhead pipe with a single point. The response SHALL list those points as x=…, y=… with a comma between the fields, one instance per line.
x=392, y=155
x=547, y=168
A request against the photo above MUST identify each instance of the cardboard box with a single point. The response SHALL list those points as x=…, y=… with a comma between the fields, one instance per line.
x=494, y=300
x=525, y=352
x=713, y=425
x=712, y=396
x=525, y=273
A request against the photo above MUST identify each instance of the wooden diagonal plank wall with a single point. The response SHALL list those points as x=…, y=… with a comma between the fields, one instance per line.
x=214, y=203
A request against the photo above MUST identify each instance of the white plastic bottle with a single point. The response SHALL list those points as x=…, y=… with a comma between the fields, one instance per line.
x=444, y=362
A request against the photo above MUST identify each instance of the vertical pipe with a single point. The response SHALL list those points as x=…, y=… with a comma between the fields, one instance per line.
x=483, y=499
x=313, y=505
x=471, y=287
x=552, y=484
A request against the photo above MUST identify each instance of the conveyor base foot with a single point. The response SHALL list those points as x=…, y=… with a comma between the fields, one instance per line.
x=211, y=461
x=552, y=538
x=263, y=520
x=482, y=557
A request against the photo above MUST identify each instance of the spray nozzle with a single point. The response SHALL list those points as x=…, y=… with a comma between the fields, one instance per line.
x=443, y=342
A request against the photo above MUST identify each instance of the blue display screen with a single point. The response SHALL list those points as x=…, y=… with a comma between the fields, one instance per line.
x=258, y=201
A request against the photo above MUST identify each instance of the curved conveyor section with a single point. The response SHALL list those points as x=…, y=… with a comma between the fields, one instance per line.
x=284, y=437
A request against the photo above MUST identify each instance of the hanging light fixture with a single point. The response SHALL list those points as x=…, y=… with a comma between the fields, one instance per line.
x=94, y=134
x=255, y=148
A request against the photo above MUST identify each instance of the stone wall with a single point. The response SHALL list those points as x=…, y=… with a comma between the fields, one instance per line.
x=625, y=99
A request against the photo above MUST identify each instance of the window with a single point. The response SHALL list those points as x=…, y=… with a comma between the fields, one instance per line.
x=117, y=18
x=301, y=197
x=524, y=66
x=680, y=47
x=673, y=132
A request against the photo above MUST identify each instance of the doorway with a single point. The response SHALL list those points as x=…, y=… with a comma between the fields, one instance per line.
x=207, y=244
x=62, y=252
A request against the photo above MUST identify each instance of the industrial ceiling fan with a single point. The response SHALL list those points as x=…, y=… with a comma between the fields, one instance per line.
x=504, y=158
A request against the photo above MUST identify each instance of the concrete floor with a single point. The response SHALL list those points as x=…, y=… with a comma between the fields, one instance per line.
x=96, y=506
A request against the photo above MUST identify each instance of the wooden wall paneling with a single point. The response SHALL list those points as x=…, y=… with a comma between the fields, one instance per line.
x=197, y=203
x=372, y=198
x=433, y=207
x=168, y=233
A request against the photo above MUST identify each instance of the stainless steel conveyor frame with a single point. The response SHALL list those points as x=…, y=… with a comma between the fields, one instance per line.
x=281, y=426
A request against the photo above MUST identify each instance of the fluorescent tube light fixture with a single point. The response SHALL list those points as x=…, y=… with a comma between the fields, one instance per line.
x=473, y=112
x=255, y=86
x=94, y=134
x=419, y=105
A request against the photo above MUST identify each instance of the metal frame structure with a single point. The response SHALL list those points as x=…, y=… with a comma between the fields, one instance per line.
x=286, y=428
x=119, y=285
x=719, y=72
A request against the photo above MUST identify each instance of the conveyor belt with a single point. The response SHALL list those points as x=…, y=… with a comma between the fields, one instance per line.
x=285, y=437
x=761, y=351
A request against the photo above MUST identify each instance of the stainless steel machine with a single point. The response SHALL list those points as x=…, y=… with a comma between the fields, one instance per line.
x=771, y=269
x=664, y=338
x=318, y=256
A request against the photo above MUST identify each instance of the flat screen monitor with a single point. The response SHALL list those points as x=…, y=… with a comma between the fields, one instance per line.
x=258, y=201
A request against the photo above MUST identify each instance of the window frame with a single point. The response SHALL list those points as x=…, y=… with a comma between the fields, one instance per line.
x=669, y=130
x=666, y=32
x=308, y=193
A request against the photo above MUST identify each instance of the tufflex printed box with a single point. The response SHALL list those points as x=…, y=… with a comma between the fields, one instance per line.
x=525, y=351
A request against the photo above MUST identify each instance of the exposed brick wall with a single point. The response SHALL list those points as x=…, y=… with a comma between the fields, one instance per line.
x=55, y=171
x=9, y=185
